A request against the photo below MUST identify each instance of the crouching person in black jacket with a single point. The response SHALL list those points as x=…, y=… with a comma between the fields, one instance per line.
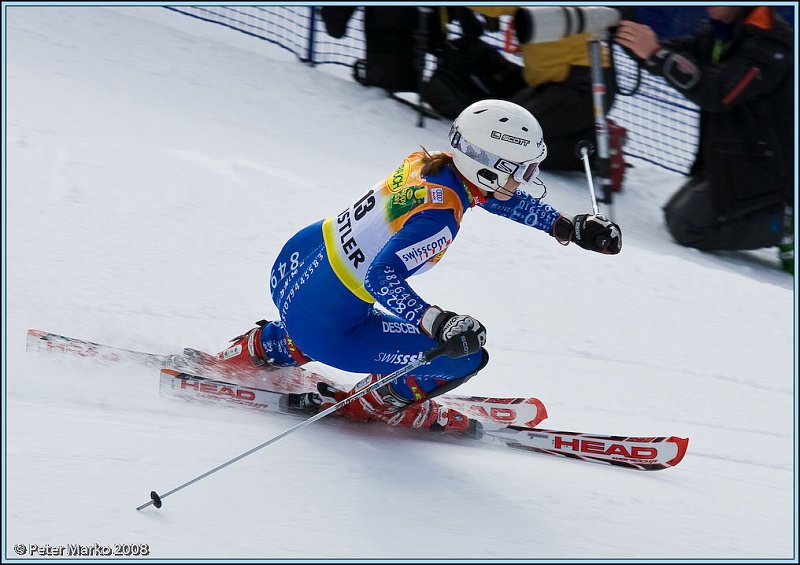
x=740, y=71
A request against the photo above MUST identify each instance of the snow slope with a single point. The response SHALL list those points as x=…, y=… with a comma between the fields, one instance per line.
x=156, y=165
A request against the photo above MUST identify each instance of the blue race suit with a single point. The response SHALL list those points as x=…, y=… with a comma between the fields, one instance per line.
x=328, y=277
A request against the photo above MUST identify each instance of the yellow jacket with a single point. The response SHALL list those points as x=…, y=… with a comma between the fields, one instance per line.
x=551, y=61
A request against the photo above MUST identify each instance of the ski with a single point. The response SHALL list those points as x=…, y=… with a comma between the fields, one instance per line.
x=638, y=453
x=510, y=411
x=192, y=387
x=527, y=412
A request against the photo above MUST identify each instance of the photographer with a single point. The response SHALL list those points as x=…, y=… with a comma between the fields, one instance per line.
x=396, y=38
x=739, y=71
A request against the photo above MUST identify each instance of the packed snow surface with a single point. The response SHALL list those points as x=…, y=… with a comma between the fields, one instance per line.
x=155, y=166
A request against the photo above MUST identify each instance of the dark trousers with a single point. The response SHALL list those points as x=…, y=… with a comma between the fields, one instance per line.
x=692, y=221
x=565, y=110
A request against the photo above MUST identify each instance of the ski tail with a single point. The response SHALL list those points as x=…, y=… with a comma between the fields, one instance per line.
x=41, y=341
x=192, y=387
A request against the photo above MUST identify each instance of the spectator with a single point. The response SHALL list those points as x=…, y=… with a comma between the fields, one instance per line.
x=468, y=70
x=394, y=37
x=558, y=91
x=739, y=71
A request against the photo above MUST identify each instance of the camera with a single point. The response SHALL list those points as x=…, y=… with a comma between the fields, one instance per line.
x=540, y=24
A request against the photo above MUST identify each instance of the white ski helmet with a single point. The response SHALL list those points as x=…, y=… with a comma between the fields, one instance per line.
x=494, y=140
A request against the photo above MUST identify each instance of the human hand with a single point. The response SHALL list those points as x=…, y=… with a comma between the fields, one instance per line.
x=596, y=233
x=638, y=39
x=443, y=326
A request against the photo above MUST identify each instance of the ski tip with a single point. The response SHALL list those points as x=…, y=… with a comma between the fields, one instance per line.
x=541, y=413
x=155, y=498
x=682, y=443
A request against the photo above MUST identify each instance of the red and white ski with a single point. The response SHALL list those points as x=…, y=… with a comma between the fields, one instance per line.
x=526, y=412
x=639, y=453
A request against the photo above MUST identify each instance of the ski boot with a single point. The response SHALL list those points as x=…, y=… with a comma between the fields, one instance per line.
x=243, y=358
x=305, y=403
x=246, y=353
x=384, y=405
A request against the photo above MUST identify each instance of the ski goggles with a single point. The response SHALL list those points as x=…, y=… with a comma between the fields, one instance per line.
x=523, y=172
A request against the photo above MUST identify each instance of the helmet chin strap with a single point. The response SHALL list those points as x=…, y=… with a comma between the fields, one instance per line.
x=525, y=186
x=481, y=194
x=504, y=191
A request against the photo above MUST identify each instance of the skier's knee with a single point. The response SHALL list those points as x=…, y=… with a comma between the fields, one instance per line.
x=484, y=361
x=450, y=385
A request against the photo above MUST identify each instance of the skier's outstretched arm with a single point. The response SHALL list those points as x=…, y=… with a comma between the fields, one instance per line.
x=592, y=232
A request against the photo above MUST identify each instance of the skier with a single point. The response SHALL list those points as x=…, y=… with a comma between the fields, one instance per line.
x=328, y=277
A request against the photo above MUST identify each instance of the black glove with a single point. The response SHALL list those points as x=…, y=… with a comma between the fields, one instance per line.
x=596, y=233
x=442, y=326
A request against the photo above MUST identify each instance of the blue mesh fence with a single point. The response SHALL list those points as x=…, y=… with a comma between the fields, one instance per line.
x=662, y=125
x=285, y=26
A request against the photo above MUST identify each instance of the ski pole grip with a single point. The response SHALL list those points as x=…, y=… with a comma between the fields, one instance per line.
x=461, y=345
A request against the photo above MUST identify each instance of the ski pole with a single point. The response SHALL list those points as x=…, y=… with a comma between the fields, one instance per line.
x=458, y=346
x=585, y=150
x=600, y=123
